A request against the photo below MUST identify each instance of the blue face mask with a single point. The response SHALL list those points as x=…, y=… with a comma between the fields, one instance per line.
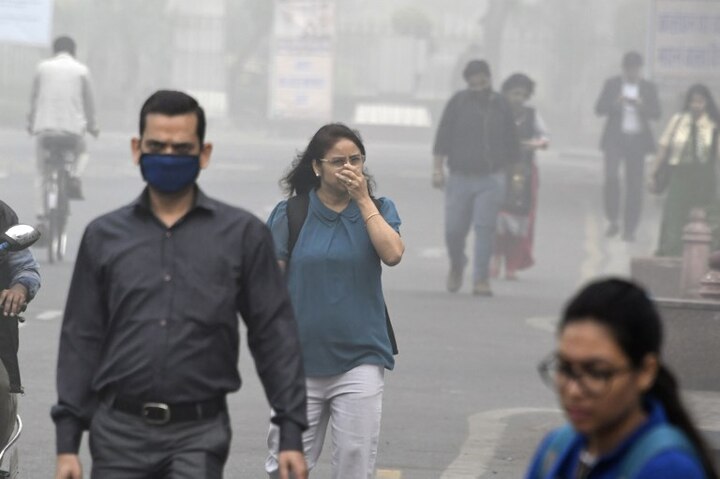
x=169, y=173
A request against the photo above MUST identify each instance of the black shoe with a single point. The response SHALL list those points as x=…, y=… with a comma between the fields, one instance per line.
x=454, y=280
x=612, y=230
x=75, y=189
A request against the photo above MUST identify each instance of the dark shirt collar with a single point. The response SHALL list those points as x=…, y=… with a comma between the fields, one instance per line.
x=200, y=202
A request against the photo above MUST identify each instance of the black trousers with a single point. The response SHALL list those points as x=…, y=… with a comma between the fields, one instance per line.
x=123, y=446
x=629, y=153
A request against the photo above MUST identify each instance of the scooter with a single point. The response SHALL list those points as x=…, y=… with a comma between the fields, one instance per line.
x=17, y=238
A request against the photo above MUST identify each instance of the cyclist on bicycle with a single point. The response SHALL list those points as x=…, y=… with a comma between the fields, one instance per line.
x=61, y=105
x=19, y=281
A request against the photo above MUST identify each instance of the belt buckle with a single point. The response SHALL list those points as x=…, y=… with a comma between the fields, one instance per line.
x=156, y=413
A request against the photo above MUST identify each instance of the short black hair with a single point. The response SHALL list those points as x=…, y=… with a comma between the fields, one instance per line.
x=475, y=67
x=518, y=80
x=64, y=44
x=632, y=59
x=173, y=103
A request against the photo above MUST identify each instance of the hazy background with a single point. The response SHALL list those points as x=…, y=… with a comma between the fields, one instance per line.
x=400, y=52
x=465, y=399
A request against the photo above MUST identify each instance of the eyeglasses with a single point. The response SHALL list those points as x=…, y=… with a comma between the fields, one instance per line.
x=593, y=377
x=340, y=161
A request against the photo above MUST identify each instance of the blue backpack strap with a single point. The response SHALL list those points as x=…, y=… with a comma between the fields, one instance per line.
x=559, y=442
x=661, y=438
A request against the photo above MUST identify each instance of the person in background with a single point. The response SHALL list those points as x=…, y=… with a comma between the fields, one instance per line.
x=477, y=141
x=333, y=260
x=516, y=221
x=61, y=104
x=150, y=339
x=626, y=419
x=629, y=102
x=690, y=146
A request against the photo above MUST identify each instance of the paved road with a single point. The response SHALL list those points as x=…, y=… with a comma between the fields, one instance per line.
x=464, y=401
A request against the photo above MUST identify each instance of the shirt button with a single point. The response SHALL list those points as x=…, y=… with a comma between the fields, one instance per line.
x=163, y=322
x=168, y=234
x=167, y=277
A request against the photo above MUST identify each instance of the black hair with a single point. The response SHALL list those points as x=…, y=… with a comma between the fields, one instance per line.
x=64, y=44
x=173, y=103
x=710, y=107
x=518, y=80
x=301, y=178
x=631, y=317
x=475, y=67
x=632, y=59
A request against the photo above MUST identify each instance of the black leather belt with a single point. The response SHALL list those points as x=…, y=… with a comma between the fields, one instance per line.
x=158, y=413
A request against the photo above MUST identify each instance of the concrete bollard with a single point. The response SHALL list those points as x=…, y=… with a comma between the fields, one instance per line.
x=710, y=284
x=697, y=238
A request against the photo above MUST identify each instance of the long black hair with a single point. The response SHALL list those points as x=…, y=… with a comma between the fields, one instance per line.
x=634, y=322
x=710, y=105
x=301, y=179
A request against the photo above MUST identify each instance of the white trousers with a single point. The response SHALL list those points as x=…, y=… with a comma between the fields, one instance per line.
x=351, y=403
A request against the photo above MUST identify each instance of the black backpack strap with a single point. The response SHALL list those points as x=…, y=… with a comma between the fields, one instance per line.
x=390, y=330
x=391, y=333
x=297, y=211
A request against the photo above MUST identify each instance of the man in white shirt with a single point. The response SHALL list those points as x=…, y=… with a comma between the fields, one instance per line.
x=629, y=102
x=61, y=104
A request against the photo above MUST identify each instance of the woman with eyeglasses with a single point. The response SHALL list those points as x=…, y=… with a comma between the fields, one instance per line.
x=331, y=237
x=625, y=416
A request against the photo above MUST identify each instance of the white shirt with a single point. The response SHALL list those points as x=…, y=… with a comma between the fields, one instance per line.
x=631, y=120
x=62, y=97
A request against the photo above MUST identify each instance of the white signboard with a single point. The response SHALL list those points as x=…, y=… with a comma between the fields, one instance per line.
x=686, y=42
x=302, y=60
x=26, y=21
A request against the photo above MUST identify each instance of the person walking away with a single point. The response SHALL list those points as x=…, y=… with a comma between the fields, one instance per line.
x=516, y=222
x=690, y=148
x=332, y=237
x=19, y=283
x=61, y=105
x=629, y=102
x=150, y=337
x=477, y=141
x=625, y=416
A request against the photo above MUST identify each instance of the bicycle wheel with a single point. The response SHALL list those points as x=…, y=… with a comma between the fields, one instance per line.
x=62, y=236
x=61, y=215
x=53, y=235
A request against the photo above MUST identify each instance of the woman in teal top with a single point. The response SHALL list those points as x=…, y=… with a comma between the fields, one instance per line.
x=334, y=276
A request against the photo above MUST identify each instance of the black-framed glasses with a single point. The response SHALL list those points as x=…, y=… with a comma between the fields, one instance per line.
x=593, y=377
x=340, y=161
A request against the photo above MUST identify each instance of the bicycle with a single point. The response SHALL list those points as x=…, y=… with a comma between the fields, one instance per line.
x=61, y=153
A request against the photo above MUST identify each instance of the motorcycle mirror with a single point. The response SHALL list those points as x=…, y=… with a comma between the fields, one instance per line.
x=19, y=237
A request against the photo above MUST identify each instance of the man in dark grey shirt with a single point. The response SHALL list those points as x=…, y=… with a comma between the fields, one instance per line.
x=477, y=141
x=150, y=339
